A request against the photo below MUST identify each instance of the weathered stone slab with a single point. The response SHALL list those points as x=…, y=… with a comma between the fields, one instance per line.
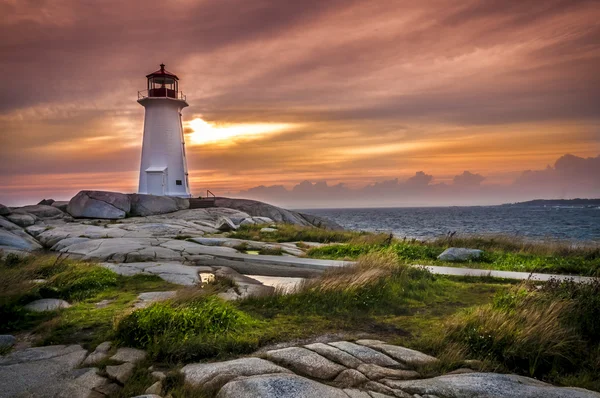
x=278, y=386
x=121, y=373
x=99, y=204
x=44, y=372
x=43, y=305
x=201, y=373
x=146, y=299
x=460, y=254
x=9, y=239
x=305, y=362
x=126, y=354
x=489, y=385
x=365, y=354
x=402, y=354
x=335, y=354
x=43, y=211
x=376, y=372
x=350, y=378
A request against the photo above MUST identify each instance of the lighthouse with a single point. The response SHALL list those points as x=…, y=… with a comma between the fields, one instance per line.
x=163, y=169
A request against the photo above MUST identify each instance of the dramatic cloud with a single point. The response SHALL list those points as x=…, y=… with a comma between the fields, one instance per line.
x=468, y=179
x=350, y=92
x=571, y=177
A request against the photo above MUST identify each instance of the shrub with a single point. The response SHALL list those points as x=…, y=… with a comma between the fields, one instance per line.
x=78, y=283
x=180, y=321
x=376, y=283
x=552, y=332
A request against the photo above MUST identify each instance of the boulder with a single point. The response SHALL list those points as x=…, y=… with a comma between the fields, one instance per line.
x=259, y=209
x=267, y=230
x=365, y=354
x=149, y=205
x=43, y=305
x=155, y=388
x=305, y=362
x=121, y=373
x=9, y=239
x=42, y=211
x=22, y=219
x=278, y=386
x=199, y=374
x=224, y=224
x=99, y=204
x=402, y=354
x=489, y=385
x=131, y=355
x=148, y=298
x=61, y=205
x=7, y=340
x=4, y=211
x=46, y=202
x=460, y=254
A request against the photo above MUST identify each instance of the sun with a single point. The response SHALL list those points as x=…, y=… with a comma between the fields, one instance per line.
x=210, y=133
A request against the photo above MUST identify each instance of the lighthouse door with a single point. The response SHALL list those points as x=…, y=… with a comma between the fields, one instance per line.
x=155, y=182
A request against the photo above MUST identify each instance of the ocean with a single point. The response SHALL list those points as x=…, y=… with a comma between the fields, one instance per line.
x=573, y=223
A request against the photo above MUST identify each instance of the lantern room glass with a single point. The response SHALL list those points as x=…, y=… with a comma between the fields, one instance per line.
x=162, y=86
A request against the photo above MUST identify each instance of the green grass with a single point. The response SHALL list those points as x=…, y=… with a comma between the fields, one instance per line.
x=295, y=233
x=500, y=253
x=378, y=296
x=551, y=333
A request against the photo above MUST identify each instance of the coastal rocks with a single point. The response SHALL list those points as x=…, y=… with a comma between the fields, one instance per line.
x=254, y=377
x=131, y=355
x=7, y=341
x=47, y=372
x=365, y=354
x=224, y=224
x=173, y=272
x=4, y=211
x=278, y=386
x=99, y=204
x=44, y=305
x=460, y=254
x=42, y=211
x=21, y=219
x=201, y=373
x=335, y=354
x=376, y=372
x=277, y=214
x=405, y=355
x=490, y=385
x=305, y=362
x=121, y=373
x=10, y=240
x=148, y=205
x=244, y=286
x=99, y=354
x=146, y=299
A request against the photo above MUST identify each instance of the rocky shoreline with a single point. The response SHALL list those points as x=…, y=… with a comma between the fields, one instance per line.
x=142, y=234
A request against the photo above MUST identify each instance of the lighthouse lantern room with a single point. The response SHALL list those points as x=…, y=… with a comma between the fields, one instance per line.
x=163, y=168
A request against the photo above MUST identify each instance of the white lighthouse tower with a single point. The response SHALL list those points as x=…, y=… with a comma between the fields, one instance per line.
x=163, y=168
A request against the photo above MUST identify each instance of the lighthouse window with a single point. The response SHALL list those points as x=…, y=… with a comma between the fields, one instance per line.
x=178, y=182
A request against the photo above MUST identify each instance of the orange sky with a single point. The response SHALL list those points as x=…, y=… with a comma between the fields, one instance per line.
x=349, y=92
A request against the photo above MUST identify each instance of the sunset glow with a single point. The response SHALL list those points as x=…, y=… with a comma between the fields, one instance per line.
x=344, y=92
x=227, y=134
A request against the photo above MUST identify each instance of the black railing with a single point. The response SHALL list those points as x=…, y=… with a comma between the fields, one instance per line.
x=161, y=93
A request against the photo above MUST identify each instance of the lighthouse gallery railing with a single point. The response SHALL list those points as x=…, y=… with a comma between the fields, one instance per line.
x=161, y=93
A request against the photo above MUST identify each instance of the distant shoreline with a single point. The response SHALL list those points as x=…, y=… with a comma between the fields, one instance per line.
x=557, y=202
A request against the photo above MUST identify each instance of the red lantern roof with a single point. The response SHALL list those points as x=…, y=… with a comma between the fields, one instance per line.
x=162, y=72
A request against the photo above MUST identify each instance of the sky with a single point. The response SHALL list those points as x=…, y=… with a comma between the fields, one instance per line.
x=308, y=103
